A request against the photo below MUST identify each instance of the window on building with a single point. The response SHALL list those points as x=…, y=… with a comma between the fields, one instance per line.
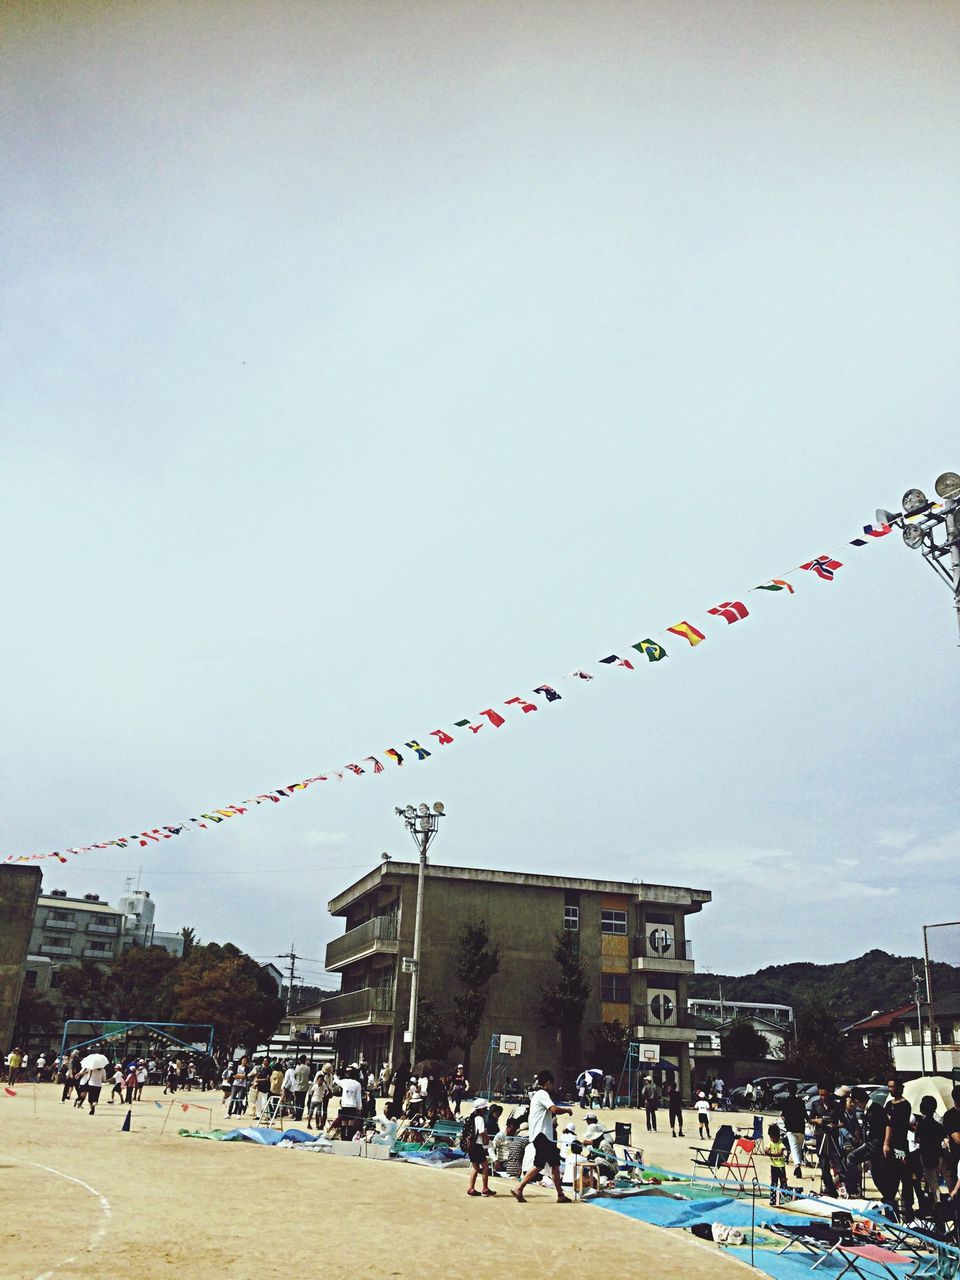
x=613, y=921
x=55, y=979
x=615, y=988
x=98, y=946
x=30, y=978
x=571, y=918
x=57, y=915
x=103, y=919
x=55, y=940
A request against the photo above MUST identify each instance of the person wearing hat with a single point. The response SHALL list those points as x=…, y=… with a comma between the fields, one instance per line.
x=459, y=1087
x=477, y=1151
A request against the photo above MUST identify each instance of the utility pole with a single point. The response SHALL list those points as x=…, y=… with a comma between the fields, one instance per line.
x=422, y=823
x=916, y=1001
x=292, y=956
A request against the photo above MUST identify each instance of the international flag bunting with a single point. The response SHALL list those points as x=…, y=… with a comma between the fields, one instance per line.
x=823, y=567
x=729, y=611
x=688, y=632
x=654, y=652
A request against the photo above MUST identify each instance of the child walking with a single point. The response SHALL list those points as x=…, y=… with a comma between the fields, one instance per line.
x=702, y=1108
x=777, y=1151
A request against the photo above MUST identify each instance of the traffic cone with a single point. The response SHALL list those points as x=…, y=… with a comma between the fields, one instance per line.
x=125, y=1127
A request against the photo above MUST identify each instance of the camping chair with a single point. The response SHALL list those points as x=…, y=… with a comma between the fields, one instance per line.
x=709, y=1159
x=756, y=1133
x=740, y=1165
x=816, y=1238
x=875, y=1254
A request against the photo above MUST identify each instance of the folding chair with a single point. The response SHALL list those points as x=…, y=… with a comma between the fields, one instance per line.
x=756, y=1133
x=887, y=1259
x=710, y=1159
x=816, y=1238
x=740, y=1165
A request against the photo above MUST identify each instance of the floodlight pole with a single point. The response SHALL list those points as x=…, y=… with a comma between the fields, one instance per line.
x=422, y=825
x=934, y=528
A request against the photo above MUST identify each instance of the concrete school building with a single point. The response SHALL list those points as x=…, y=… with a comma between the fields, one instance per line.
x=633, y=947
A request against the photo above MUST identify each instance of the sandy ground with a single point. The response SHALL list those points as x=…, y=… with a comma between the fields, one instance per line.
x=80, y=1198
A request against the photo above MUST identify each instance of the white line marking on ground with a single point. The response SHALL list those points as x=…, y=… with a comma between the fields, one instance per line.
x=100, y=1231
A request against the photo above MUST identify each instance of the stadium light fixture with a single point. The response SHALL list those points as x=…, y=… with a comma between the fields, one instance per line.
x=934, y=528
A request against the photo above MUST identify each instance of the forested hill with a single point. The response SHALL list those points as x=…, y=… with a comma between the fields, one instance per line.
x=851, y=989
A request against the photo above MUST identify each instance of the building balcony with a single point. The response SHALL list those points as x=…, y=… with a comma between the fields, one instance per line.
x=56, y=948
x=659, y=952
x=376, y=935
x=370, y=1006
x=59, y=924
x=94, y=953
x=663, y=1024
x=103, y=928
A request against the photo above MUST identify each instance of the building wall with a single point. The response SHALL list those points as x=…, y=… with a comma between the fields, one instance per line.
x=19, y=889
x=523, y=919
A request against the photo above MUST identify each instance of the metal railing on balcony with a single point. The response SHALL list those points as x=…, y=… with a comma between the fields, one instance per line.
x=357, y=1004
x=56, y=948
x=659, y=945
x=102, y=928
x=362, y=939
x=50, y=923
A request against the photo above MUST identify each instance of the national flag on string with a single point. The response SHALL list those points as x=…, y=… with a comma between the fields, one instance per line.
x=377, y=766
x=580, y=675
x=548, y=692
x=730, y=611
x=654, y=652
x=823, y=567
x=776, y=584
x=422, y=752
x=525, y=706
x=441, y=736
x=876, y=531
x=355, y=768
x=688, y=632
x=620, y=662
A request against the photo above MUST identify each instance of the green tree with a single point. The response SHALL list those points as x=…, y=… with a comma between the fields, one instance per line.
x=563, y=1003
x=477, y=963
x=140, y=984
x=190, y=939
x=433, y=1038
x=86, y=990
x=820, y=1050
x=743, y=1040
x=610, y=1041
x=35, y=1016
x=223, y=986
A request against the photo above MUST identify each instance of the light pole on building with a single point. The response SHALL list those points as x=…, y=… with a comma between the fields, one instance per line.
x=934, y=527
x=422, y=823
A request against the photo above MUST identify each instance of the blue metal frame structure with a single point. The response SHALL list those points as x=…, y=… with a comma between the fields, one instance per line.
x=123, y=1026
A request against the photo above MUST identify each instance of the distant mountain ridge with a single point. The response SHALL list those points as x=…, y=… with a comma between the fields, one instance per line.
x=851, y=989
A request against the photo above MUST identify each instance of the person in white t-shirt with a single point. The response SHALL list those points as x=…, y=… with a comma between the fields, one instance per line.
x=546, y=1153
x=351, y=1103
x=702, y=1108
x=477, y=1153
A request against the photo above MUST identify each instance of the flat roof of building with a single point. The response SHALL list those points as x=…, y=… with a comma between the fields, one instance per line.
x=690, y=899
x=78, y=904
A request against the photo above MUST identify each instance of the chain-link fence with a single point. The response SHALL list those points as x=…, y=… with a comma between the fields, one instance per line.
x=941, y=955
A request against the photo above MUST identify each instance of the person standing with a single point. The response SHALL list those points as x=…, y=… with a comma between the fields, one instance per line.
x=930, y=1135
x=650, y=1098
x=459, y=1087
x=400, y=1079
x=777, y=1152
x=825, y=1121
x=895, y=1149
x=609, y=1100
x=951, y=1122
x=351, y=1103
x=542, y=1130
x=301, y=1082
x=702, y=1108
x=141, y=1080
x=675, y=1110
x=477, y=1150
x=794, y=1113
x=14, y=1064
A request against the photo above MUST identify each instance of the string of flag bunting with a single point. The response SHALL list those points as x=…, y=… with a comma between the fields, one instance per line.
x=651, y=649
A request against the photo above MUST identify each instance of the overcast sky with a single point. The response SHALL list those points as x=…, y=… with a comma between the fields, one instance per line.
x=365, y=365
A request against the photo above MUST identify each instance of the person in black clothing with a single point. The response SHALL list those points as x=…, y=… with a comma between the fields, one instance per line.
x=873, y=1124
x=930, y=1134
x=675, y=1109
x=399, y=1080
x=794, y=1114
x=951, y=1123
x=897, y=1174
x=824, y=1116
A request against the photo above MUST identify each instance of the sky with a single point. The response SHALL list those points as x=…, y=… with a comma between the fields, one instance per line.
x=366, y=365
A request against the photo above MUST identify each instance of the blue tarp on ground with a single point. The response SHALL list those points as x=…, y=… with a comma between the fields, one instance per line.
x=268, y=1137
x=663, y=1212
x=796, y=1265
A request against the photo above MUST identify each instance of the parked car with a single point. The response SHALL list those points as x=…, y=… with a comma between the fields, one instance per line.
x=762, y=1085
